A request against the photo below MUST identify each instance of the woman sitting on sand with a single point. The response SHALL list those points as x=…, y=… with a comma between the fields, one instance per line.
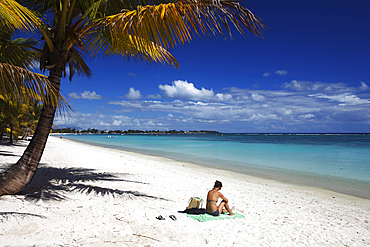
x=212, y=199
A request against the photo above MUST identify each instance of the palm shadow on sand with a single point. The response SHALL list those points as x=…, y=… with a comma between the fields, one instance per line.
x=4, y=216
x=50, y=183
x=9, y=153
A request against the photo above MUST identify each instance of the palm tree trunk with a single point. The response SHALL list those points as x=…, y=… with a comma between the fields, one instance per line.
x=20, y=174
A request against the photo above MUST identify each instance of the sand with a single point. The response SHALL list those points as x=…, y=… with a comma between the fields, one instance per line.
x=85, y=195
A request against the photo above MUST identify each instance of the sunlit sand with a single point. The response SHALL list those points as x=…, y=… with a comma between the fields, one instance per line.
x=91, y=196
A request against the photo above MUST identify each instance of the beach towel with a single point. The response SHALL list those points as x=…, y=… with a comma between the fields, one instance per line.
x=207, y=217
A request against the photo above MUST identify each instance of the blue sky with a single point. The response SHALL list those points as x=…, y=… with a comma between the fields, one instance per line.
x=310, y=73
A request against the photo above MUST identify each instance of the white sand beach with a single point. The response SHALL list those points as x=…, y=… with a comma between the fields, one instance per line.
x=85, y=195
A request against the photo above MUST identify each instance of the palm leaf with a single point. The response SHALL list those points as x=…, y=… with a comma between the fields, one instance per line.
x=149, y=32
x=77, y=63
x=14, y=15
x=19, y=52
x=130, y=47
x=169, y=24
x=7, y=108
x=21, y=82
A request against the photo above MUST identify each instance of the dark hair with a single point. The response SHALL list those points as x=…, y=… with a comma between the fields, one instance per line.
x=217, y=184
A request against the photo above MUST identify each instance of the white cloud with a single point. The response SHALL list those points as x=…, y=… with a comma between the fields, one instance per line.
x=258, y=97
x=132, y=74
x=278, y=72
x=346, y=98
x=150, y=123
x=104, y=124
x=74, y=95
x=117, y=123
x=295, y=85
x=306, y=116
x=281, y=72
x=154, y=96
x=297, y=106
x=90, y=95
x=223, y=97
x=85, y=95
x=264, y=117
x=99, y=120
x=241, y=98
x=317, y=86
x=186, y=91
x=278, y=127
x=133, y=94
x=363, y=86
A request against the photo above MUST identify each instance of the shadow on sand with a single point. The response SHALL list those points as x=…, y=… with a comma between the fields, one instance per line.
x=51, y=183
x=19, y=143
x=5, y=153
x=16, y=144
x=4, y=216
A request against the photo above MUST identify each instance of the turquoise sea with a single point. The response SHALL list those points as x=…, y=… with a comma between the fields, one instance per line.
x=339, y=162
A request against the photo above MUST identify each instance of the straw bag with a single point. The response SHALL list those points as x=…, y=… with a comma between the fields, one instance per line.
x=195, y=202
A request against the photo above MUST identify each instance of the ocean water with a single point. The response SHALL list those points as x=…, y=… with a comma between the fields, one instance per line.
x=336, y=162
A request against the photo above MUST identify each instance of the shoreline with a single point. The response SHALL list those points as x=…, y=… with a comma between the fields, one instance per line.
x=351, y=187
x=90, y=195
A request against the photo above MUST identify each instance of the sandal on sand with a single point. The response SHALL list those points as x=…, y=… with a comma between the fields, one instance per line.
x=160, y=217
x=173, y=217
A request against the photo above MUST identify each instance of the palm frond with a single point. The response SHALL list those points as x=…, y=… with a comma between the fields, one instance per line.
x=149, y=32
x=77, y=63
x=7, y=107
x=21, y=82
x=130, y=47
x=168, y=25
x=19, y=52
x=14, y=15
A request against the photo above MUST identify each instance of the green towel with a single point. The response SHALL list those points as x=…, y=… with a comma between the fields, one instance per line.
x=207, y=217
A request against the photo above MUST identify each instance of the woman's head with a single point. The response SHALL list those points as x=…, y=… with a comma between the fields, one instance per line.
x=218, y=184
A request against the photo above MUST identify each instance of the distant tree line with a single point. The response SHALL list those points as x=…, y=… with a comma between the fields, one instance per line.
x=96, y=131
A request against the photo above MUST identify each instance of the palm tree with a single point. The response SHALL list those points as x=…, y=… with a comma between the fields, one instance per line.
x=17, y=97
x=16, y=57
x=30, y=117
x=130, y=28
x=16, y=105
x=8, y=115
x=19, y=118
